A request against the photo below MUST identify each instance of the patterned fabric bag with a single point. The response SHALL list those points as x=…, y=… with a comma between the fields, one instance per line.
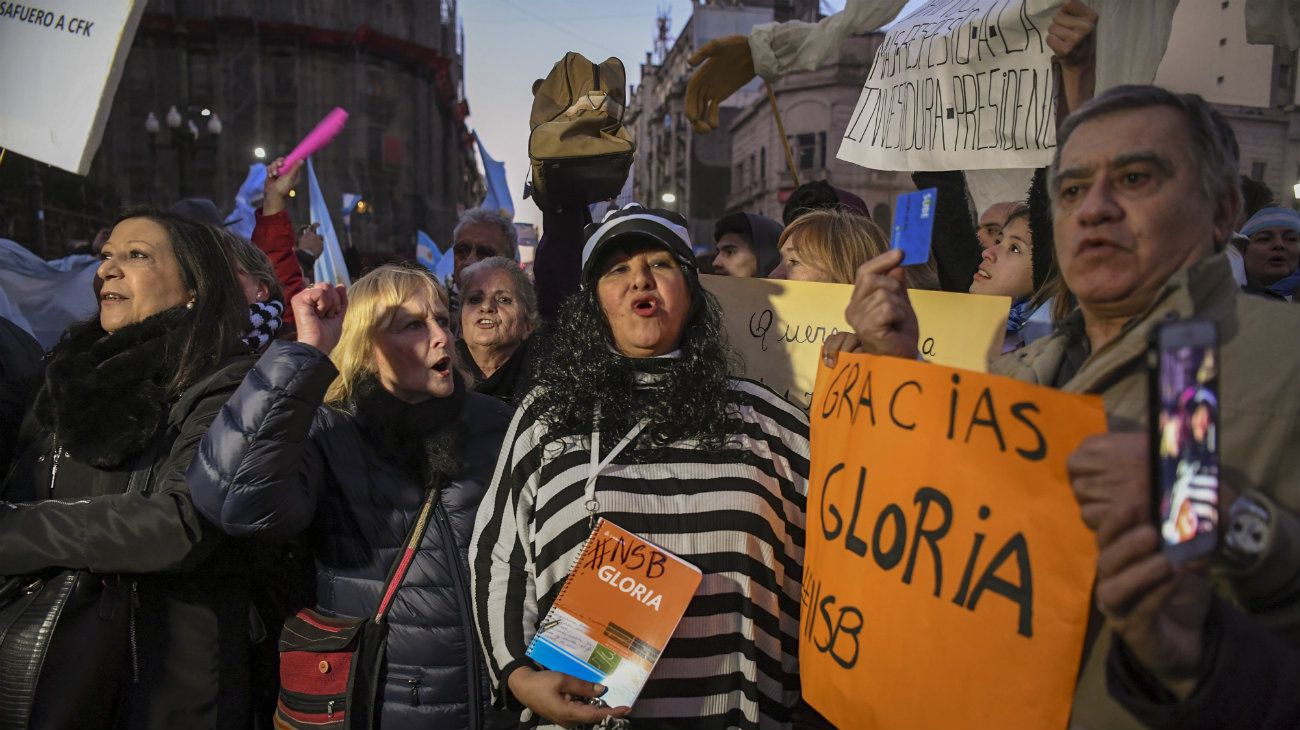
x=330, y=665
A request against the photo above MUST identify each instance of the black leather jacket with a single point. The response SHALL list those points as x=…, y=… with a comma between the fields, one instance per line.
x=188, y=661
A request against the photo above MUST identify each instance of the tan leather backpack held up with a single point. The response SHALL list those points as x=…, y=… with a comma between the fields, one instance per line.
x=578, y=142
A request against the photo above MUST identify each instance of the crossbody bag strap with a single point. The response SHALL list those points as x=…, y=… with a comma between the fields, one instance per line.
x=407, y=555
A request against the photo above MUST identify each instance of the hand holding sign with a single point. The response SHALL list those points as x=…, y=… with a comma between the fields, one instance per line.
x=1070, y=36
x=838, y=343
x=1072, y=39
x=880, y=312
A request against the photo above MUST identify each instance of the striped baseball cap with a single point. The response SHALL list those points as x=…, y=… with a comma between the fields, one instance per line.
x=633, y=223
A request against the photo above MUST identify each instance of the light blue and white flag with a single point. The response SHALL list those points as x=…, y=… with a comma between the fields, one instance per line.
x=44, y=297
x=329, y=265
x=243, y=217
x=498, y=192
x=446, y=267
x=426, y=251
x=350, y=201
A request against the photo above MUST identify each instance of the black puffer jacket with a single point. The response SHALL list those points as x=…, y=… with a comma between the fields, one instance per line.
x=100, y=417
x=276, y=463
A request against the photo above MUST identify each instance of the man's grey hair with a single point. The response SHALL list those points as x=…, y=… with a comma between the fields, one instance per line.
x=523, y=287
x=489, y=218
x=1214, y=146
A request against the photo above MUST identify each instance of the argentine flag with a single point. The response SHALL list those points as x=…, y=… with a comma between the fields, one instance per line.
x=329, y=266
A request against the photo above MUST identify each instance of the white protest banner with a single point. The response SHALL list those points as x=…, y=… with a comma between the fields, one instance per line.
x=959, y=85
x=63, y=60
x=778, y=327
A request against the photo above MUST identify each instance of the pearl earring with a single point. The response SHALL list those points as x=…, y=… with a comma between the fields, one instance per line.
x=189, y=304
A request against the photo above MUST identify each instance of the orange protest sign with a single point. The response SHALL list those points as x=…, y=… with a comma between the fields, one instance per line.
x=948, y=574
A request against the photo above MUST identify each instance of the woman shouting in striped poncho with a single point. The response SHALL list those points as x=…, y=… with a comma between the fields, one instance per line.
x=634, y=418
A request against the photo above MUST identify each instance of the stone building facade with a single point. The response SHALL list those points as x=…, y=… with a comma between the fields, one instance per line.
x=1254, y=86
x=815, y=108
x=676, y=168
x=270, y=72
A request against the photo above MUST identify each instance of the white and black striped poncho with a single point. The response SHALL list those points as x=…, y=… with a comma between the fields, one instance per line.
x=735, y=513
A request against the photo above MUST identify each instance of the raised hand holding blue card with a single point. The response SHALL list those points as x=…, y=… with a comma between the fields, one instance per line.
x=914, y=225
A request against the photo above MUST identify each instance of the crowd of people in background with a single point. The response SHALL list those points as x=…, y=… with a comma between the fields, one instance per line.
x=227, y=442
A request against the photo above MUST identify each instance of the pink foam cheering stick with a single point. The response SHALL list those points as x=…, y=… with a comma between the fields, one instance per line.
x=324, y=132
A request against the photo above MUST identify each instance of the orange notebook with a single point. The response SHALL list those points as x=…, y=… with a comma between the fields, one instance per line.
x=619, y=606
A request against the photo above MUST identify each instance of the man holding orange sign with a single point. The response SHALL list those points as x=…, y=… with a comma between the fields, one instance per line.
x=1145, y=194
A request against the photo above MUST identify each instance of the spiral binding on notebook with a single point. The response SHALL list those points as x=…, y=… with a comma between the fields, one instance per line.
x=559, y=597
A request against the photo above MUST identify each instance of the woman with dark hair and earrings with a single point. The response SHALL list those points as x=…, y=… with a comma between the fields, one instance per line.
x=155, y=629
x=634, y=418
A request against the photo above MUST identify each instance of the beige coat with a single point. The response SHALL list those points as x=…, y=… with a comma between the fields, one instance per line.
x=1259, y=431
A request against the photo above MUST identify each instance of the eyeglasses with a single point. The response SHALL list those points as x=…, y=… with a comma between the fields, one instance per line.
x=483, y=252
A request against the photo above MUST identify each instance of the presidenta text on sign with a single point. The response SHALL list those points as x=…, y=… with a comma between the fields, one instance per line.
x=959, y=86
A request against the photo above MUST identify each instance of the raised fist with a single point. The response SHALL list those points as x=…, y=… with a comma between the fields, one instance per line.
x=318, y=313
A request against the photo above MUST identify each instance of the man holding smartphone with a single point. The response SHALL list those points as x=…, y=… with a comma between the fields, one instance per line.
x=1145, y=193
x=1188, y=660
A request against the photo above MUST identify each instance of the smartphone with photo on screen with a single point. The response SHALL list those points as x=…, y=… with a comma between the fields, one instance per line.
x=1184, y=377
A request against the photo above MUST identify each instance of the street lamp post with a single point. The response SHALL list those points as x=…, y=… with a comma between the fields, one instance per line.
x=184, y=136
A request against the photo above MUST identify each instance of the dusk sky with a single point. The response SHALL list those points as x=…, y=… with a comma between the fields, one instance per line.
x=511, y=43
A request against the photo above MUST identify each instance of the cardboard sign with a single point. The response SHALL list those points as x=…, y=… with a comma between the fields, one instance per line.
x=778, y=327
x=70, y=53
x=948, y=575
x=914, y=225
x=959, y=86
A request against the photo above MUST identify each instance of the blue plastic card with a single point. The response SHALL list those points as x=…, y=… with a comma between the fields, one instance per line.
x=914, y=225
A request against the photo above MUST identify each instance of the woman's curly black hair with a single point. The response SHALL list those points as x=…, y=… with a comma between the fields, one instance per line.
x=579, y=373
